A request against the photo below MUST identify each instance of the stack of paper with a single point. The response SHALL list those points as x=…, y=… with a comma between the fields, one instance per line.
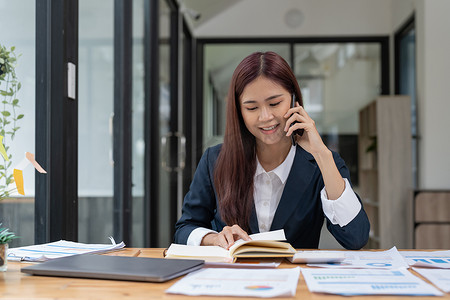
x=58, y=249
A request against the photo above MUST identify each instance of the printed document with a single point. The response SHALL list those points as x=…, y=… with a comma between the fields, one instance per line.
x=349, y=282
x=389, y=259
x=428, y=259
x=439, y=277
x=239, y=282
x=44, y=252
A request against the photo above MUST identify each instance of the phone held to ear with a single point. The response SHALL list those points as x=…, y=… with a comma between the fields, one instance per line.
x=298, y=131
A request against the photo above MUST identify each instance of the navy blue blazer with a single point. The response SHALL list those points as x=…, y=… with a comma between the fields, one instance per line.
x=299, y=212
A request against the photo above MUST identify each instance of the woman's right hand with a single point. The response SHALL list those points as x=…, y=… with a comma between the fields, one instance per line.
x=226, y=237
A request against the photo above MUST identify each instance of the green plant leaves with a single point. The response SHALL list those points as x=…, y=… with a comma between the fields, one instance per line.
x=6, y=236
x=9, y=102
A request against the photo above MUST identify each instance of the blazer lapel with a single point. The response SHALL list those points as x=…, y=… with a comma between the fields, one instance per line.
x=254, y=227
x=298, y=180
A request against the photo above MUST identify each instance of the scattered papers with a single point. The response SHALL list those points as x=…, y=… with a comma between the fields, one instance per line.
x=349, y=282
x=58, y=249
x=428, y=259
x=317, y=257
x=389, y=259
x=239, y=282
x=440, y=278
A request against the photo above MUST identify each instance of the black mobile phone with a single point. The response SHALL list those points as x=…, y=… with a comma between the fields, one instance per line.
x=298, y=131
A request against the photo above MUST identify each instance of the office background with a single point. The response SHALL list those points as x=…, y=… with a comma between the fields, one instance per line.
x=156, y=73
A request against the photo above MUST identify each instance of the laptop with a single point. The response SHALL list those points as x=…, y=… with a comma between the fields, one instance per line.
x=115, y=267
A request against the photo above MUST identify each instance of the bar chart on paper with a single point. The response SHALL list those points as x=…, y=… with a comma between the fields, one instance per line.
x=367, y=282
x=428, y=259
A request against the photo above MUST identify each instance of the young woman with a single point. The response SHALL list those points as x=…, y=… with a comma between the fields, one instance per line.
x=257, y=180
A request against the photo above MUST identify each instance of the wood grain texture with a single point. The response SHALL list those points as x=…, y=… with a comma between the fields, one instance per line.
x=432, y=207
x=385, y=172
x=17, y=285
x=432, y=236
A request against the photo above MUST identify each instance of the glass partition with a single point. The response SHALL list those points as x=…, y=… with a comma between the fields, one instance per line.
x=138, y=146
x=95, y=113
x=165, y=227
x=336, y=81
x=17, y=211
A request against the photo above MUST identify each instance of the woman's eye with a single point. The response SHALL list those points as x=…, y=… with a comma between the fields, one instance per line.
x=275, y=104
x=251, y=108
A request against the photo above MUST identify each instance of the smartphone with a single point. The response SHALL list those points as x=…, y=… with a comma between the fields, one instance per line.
x=298, y=131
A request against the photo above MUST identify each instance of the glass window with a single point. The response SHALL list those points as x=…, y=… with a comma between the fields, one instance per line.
x=17, y=211
x=138, y=146
x=336, y=81
x=165, y=226
x=407, y=86
x=95, y=113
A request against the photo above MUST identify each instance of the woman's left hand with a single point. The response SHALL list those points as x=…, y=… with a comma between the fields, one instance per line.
x=310, y=140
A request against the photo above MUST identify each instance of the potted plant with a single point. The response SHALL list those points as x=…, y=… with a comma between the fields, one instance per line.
x=5, y=237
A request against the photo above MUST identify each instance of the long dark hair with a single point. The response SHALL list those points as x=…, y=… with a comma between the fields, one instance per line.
x=236, y=164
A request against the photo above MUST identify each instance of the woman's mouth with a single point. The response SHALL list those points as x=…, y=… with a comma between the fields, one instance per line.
x=269, y=129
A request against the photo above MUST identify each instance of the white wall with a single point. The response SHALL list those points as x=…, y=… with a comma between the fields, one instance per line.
x=321, y=18
x=433, y=94
x=433, y=74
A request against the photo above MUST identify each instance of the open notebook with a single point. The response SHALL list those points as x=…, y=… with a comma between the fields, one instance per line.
x=115, y=267
x=262, y=245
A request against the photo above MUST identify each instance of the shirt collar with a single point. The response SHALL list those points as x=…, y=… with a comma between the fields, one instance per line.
x=282, y=171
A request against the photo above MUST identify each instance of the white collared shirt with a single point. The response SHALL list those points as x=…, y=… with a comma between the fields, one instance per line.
x=268, y=188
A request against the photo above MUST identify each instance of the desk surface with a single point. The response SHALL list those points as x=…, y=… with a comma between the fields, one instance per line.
x=15, y=285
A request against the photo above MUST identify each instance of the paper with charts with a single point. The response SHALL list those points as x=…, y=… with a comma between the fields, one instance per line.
x=350, y=282
x=438, y=277
x=239, y=282
x=388, y=259
x=58, y=249
x=428, y=259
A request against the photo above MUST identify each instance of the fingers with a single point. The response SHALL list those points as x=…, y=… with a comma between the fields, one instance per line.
x=239, y=233
x=296, y=119
x=229, y=235
x=304, y=126
x=298, y=109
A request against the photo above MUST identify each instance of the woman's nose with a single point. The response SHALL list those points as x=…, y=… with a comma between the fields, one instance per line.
x=265, y=114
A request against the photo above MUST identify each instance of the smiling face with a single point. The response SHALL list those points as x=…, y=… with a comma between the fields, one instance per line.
x=263, y=105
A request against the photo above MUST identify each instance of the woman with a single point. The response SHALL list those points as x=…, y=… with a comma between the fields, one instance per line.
x=257, y=180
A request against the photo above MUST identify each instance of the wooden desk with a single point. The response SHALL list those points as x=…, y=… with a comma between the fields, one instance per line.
x=17, y=285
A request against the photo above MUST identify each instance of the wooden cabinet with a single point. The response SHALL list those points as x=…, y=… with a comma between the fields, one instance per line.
x=431, y=219
x=385, y=174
